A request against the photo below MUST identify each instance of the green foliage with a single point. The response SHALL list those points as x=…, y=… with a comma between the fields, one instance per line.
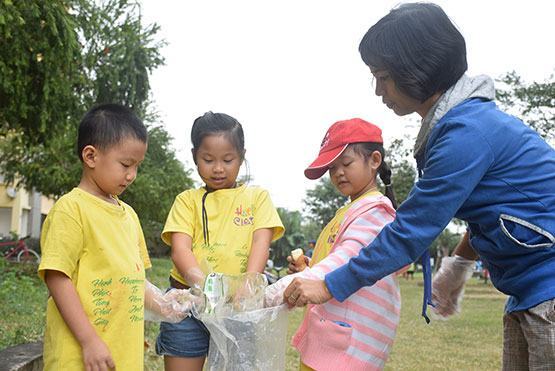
x=161, y=178
x=399, y=157
x=118, y=51
x=443, y=246
x=23, y=297
x=58, y=59
x=293, y=238
x=39, y=60
x=533, y=102
x=111, y=57
x=321, y=202
x=311, y=229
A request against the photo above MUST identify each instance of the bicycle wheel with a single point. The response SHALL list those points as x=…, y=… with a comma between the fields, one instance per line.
x=31, y=257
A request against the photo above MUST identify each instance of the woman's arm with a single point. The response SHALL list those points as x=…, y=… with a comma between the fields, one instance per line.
x=357, y=235
x=260, y=249
x=452, y=171
x=183, y=258
x=464, y=249
x=96, y=355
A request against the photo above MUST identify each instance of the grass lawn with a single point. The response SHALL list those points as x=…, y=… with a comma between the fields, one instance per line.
x=470, y=341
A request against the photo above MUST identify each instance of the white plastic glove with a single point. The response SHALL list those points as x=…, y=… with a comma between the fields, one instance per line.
x=273, y=295
x=448, y=285
x=172, y=306
x=195, y=277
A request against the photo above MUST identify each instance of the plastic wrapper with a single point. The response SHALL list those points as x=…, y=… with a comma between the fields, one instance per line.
x=243, y=334
x=173, y=305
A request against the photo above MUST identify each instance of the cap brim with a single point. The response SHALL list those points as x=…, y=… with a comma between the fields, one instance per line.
x=319, y=166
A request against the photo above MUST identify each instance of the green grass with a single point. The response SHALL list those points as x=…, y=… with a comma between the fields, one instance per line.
x=23, y=301
x=469, y=341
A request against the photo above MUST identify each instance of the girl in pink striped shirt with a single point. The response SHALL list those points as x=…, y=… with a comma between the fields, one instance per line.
x=356, y=334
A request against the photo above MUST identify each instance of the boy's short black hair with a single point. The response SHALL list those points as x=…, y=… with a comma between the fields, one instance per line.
x=419, y=46
x=108, y=124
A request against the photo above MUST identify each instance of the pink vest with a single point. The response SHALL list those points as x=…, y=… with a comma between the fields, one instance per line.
x=356, y=334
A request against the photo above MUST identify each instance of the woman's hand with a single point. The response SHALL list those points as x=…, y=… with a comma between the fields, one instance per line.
x=303, y=291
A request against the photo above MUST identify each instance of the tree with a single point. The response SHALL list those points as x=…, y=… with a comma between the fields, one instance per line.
x=321, y=202
x=398, y=155
x=106, y=55
x=39, y=68
x=533, y=102
x=161, y=178
x=443, y=246
x=293, y=238
x=69, y=56
x=119, y=53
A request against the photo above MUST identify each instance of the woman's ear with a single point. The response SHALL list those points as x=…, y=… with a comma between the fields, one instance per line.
x=243, y=156
x=89, y=155
x=375, y=160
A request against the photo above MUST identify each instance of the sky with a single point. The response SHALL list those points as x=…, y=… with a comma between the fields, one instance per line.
x=289, y=69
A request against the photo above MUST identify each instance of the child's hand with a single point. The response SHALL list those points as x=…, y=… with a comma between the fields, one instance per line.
x=97, y=356
x=249, y=293
x=295, y=267
x=175, y=305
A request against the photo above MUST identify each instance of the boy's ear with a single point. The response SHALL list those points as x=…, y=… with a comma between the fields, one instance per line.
x=375, y=160
x=89, y=155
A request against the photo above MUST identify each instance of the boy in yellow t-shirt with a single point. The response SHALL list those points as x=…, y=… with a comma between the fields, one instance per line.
x=94, y=253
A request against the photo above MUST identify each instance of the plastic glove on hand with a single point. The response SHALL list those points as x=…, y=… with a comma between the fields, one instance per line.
x=448, y=285
x=273, y=294
x=175, y=305
x=195, y=277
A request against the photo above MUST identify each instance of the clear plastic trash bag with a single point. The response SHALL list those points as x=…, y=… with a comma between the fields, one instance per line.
x=243, y=334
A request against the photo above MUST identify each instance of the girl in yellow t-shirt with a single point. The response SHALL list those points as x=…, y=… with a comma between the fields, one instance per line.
x=224, y=225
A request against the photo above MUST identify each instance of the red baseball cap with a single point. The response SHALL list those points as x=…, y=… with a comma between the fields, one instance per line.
x=336, y=140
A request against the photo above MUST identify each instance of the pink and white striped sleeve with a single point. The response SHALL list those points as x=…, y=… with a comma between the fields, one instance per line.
x=360, y=233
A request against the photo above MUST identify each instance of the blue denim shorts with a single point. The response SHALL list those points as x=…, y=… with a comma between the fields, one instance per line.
x=188, y=338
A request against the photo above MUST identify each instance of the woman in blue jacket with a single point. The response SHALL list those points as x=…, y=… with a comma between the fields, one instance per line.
x=476, y=163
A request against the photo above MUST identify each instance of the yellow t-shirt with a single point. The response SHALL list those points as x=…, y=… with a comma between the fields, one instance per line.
x=327, y=236
x=233, y=216
x=101, y=247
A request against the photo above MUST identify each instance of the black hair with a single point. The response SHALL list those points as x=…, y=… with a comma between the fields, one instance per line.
x=107, y=125
x=384, y=171
x=217, y=123
x=212, y=124
x=419, y=46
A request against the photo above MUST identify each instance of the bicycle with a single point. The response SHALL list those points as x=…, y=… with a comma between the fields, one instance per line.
x=20, y=252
